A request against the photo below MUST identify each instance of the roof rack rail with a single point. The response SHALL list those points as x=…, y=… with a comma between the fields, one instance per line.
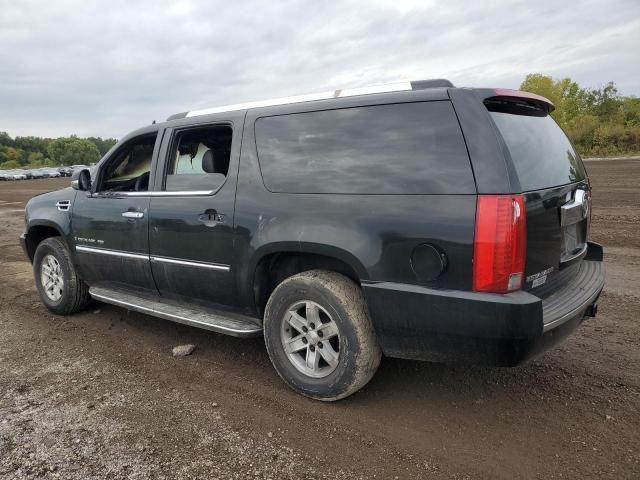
x=434, y=83
x=341, y=93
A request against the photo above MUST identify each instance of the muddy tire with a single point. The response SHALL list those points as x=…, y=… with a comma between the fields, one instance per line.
x=319, y=336
x=60, y=288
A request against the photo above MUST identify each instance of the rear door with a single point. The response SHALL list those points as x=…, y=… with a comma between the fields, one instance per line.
x=191, y=213
x=555, y=188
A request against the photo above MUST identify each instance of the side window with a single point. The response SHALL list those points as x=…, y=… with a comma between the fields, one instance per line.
x=405, y=148
x=199, y=158
x=129, y=168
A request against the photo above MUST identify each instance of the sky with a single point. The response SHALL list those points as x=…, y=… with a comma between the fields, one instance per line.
x=105, y=68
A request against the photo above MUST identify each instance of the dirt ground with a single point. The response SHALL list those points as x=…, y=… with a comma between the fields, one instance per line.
x=99, y=395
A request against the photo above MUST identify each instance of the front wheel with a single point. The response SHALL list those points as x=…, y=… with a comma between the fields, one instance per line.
x=60, y=288
x=319, y=336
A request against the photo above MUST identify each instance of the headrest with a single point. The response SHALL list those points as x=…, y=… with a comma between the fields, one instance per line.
x=188, y=148
x=208, y=162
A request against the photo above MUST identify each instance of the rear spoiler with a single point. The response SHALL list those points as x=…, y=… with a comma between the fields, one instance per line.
x=516, y=95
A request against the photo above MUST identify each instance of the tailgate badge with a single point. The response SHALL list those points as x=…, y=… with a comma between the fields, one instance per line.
x=539, y=281
x=539, y=278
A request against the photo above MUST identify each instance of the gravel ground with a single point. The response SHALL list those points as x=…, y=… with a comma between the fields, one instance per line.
x=100, y=394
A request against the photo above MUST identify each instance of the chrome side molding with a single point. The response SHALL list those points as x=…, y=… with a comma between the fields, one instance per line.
x=175, y=261
x=113, y=253
x=163, y=193
x=153, y=258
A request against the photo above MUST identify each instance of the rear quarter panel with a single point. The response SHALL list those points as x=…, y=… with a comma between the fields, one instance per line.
x=374, y=234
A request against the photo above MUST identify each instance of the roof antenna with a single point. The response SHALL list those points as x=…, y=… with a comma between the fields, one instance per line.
x=153, y=123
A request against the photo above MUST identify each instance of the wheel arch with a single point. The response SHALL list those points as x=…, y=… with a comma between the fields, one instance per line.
x=40, y=231
x=278, y=262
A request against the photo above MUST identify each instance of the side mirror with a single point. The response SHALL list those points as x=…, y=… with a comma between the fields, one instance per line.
x=81, y=180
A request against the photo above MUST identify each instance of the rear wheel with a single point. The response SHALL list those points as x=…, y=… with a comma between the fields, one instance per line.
x=319, y=336
x=60, y=288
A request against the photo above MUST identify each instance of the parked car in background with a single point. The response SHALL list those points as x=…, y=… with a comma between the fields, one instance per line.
x=77, y=168
x=37, y=173
x=51, y=172
x=14, y=175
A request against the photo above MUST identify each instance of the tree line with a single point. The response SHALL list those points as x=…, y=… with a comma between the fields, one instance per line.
x=22, y=152
x=599, y=121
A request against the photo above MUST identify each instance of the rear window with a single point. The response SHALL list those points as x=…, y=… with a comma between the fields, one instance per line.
x=542, y=154
x=409, y=148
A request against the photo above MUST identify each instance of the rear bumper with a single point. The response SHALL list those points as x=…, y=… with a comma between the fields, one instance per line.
x=453, y=326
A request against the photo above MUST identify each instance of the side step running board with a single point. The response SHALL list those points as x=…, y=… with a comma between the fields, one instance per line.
x=181, y=312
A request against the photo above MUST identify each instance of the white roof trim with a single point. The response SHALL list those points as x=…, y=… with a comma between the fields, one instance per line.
x=349, y=92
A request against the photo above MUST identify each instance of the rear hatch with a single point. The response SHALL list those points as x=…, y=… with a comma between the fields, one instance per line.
x=555, y=188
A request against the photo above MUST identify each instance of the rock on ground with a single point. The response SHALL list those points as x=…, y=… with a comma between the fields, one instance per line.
x=183, y=350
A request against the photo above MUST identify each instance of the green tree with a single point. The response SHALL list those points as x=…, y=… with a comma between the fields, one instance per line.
x=32, y=144
x=599, y=121
x=606, y=104
x=566, y=95
x=36, y=159
x=38, y=151
x=582, y=130
x=5, y=140
x=73, y=150
x=631, y=108
x=103, y=144
x=540, y=84
x=12, y=155
x=9, y=164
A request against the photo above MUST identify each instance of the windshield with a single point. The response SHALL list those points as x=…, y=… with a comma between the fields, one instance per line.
x=542, y=154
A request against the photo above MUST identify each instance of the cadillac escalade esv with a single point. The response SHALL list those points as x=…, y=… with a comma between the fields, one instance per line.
x=415, y=220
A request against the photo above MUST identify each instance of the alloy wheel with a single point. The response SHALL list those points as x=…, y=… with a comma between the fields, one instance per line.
x=51, y=277
x=311, y=339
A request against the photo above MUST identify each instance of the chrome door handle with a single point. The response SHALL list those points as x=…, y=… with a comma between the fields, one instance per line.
x=211, y=217
x=132, y=214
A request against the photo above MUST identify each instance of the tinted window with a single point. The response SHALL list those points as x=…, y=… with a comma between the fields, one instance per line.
x=542, y=154
x=410, y=148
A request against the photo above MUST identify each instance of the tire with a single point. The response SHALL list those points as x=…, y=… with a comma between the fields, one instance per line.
x=341, y=308
x=70, y=294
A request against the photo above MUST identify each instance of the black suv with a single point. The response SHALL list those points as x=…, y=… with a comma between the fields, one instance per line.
x=416, y=219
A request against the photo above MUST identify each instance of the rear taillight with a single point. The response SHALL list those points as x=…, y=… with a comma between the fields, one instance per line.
x=500, y=246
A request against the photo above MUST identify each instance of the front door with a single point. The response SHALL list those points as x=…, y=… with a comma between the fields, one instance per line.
x=110, y=224
x=191, y=213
